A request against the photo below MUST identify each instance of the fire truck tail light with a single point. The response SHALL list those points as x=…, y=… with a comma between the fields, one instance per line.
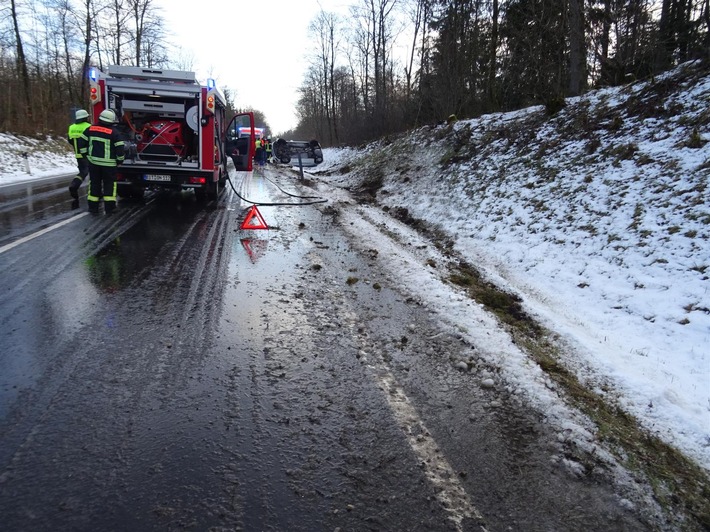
x=94, y=86
x=211, y=97
x=197, y=181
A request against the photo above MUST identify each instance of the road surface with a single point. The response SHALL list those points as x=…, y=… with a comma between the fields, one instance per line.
x=164, y=369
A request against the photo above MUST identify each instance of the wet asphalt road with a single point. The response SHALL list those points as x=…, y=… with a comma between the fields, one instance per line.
x=162, y=369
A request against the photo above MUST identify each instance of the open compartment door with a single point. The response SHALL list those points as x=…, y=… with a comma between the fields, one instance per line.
x=239, y=143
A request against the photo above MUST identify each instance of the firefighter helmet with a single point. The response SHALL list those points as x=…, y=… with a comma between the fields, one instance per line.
x=81, y=115
x=108, y=116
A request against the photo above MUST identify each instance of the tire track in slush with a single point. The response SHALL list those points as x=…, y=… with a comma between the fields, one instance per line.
x=438, y=471
x=448, y=490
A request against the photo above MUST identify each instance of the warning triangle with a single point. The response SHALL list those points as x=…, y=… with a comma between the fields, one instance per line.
x=254, y=220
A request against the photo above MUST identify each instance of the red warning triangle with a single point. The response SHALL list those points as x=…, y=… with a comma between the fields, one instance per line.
x=254, y=220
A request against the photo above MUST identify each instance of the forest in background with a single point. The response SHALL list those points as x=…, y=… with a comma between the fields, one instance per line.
x=392, y=65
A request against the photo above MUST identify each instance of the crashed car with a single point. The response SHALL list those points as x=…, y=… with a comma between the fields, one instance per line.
x=286, y=151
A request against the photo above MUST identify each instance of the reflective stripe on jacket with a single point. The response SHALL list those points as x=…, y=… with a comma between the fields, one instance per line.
x=103, y=145
x=74, y=134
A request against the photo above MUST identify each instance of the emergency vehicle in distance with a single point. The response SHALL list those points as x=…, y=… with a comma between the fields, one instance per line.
x=176, y=130
x=246, y=132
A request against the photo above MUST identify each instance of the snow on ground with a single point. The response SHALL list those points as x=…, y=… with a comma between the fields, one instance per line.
x=610, y=251
x=46, y=156
x=605, y=235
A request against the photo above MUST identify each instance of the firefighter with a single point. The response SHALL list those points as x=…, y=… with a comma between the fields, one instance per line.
x=268, y=151
x=259, y=152
x=76, y=130
x=104, y=148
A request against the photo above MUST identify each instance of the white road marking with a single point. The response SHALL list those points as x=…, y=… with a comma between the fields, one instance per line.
x=449, y=489
x=437, y=469
x=27, y=238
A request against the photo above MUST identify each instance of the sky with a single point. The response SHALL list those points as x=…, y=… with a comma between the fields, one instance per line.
x=612, y=256
x=258, y=49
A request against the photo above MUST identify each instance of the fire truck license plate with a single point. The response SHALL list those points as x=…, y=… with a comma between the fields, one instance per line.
x=157, y=177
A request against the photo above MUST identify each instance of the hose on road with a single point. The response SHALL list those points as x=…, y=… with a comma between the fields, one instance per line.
x=314, y=199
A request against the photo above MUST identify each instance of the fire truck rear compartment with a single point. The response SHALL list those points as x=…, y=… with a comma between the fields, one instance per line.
x=160, y=131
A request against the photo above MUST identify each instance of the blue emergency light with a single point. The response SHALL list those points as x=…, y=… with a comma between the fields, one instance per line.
x=210, y=84
x=92, y=74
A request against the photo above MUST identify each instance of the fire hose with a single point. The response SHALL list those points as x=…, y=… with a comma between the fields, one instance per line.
x=314, y=199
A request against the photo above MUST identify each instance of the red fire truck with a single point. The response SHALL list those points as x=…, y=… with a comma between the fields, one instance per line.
x=176, y=130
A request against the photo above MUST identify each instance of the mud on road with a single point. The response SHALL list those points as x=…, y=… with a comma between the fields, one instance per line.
x=280, y=379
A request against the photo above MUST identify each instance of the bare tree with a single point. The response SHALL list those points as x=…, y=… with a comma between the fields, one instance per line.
x=21, y=60
x=146, y=32
x=359, y=57
x=67, y=33
x=374, y=40
x=323, y=30
x=85, y=20
x=419, y=12
x=108, y=31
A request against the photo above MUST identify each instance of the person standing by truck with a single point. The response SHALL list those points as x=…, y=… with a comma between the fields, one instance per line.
x=268, y=150
x=104, y=148
x=76, y=130
x=259, y=151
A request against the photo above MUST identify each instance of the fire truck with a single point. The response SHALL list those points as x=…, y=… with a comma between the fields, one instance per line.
x=176, y=130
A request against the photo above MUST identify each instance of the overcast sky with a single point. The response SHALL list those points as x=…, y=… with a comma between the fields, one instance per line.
x=257, y=49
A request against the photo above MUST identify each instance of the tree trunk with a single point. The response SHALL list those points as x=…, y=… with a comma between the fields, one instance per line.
x=87, y=49
x=21, y=63
x=577, y=45
x=492, y=57
x=332, y=84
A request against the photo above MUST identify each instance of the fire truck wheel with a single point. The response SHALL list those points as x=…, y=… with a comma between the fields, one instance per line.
x=212, y=190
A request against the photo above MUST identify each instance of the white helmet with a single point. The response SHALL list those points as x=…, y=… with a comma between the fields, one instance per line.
x=81, y=114
x=108, y=116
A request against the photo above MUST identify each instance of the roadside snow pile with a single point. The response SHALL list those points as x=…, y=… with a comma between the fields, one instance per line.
x=46, y=156
x=598, y=217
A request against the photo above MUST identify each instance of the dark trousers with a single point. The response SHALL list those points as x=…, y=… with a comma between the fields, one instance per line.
x=83, y=165
x=102, y=184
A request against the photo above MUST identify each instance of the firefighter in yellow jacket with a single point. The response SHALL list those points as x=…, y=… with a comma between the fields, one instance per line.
x=104, y=148
x=76, y=130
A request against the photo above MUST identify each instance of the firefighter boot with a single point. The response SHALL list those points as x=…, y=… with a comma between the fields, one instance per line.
x=109, y=207
x=74, y=187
